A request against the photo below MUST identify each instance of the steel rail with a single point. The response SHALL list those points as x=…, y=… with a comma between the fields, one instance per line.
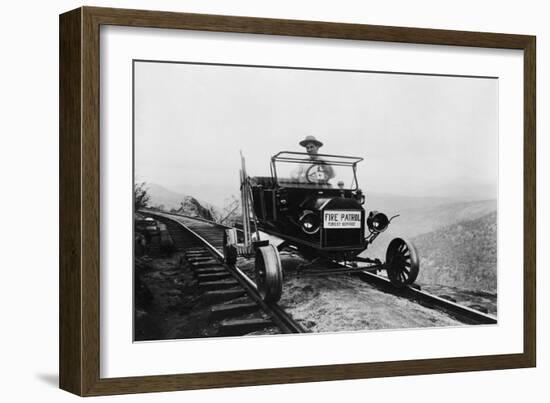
x=460, y=312
x=161, y=213
x=273, y=310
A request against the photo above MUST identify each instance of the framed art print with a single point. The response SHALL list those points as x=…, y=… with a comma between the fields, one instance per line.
x=250, y=201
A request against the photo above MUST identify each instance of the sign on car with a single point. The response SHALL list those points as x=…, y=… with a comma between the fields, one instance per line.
x=342, y=219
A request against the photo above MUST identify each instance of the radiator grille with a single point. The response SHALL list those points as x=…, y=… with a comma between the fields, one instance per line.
x=341, y=237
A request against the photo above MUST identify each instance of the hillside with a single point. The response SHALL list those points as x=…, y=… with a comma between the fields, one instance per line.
x=168, y=199
x=421, y=221
x=422, y=216
x=461, y=255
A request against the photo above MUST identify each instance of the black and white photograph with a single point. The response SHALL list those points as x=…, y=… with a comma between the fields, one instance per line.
x=272, y=200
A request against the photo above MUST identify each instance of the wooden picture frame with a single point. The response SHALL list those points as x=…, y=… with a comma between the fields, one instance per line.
x=79, y=200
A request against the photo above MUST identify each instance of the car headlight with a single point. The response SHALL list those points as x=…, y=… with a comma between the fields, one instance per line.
x=377, y=222
x=309, y=222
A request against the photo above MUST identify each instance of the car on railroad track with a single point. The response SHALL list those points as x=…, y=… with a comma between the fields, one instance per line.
x=316, y=207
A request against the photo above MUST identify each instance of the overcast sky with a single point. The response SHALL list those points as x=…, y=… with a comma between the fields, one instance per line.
x=419, y=135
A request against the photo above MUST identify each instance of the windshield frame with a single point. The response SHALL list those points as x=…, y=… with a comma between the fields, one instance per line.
x=296, y=157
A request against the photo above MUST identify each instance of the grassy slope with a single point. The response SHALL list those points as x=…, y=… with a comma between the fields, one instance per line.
x=423, y=218
x=461, y=255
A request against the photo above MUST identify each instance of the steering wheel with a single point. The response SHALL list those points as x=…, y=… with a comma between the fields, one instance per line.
x=316, y=174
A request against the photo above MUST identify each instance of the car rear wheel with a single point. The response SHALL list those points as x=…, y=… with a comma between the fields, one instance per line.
x=402, y=263
x=269, y=273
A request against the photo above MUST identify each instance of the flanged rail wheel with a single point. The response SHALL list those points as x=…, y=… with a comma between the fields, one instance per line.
x=269, y=273
x=230, y=246
x=402, y=263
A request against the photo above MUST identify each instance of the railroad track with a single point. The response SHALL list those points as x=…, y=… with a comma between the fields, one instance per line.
x=213, y=232
x=236, y=307
x=462, y=313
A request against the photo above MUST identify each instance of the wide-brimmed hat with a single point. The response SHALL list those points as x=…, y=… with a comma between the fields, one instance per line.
x=311, y=139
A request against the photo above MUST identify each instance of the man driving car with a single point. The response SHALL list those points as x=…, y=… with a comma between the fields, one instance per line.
x=318, y=171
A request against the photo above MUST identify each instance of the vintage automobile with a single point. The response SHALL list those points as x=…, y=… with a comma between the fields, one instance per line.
x=314, y=205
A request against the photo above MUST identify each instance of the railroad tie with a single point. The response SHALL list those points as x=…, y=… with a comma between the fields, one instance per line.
x=206, y=263
x=207, y=270
x=229, y=310
x=210, y=270
x=224, y=295
x=243, y=326
x=202, y=260
x=213, y=276
x=199, y=265
x=197, y=252
x=199, y=258
x=198, y=255
x=218, y=285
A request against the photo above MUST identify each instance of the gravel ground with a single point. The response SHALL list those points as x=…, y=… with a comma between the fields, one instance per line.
x=345, y=303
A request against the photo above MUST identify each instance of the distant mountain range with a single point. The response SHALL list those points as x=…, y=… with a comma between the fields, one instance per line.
x=168, y=200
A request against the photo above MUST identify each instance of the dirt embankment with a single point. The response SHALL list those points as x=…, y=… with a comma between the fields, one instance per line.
x=345, y=303
x=166, y=301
